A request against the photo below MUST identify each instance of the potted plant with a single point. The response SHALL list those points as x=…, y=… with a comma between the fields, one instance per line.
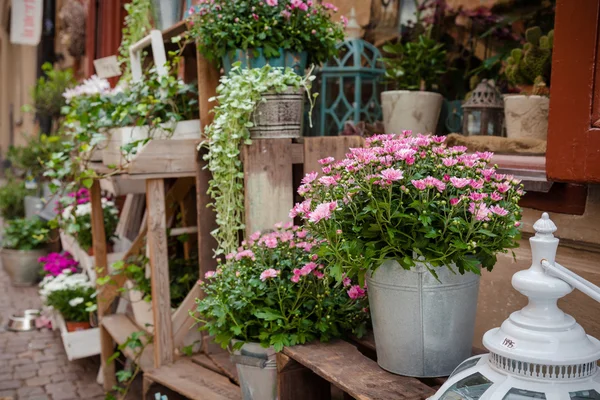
x=528, y=69
x=272, y=293
x=12, y=199
x=155, y=107
x=418, y=220
x=76, y=219
x=70, y=295
x=416, y=68
x=282, y=33
x=55, y=264
x=239, y=97
x=23, y=243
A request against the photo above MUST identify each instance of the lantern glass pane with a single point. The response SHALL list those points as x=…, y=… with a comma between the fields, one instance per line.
x=465, y=365
x=584, y=395
x=520, y=394
x=470, y=388
x=474, y=122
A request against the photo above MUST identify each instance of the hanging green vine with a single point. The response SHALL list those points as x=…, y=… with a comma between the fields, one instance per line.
x=238, y=95
x=137, y=25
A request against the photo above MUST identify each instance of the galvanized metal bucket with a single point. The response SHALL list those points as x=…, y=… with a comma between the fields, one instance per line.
x=279, y=116
x=22, y=265
x=257, y=371
x=423, y=327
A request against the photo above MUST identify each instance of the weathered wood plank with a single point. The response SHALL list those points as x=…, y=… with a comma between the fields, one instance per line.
x=208, y=80
x=296, y=382
x=99, y=244
x=268, y=186
x=181, y=320
x=159, y=269
x=164, y=156
x=194, y=381
x=219, y=362
x=342, y=364
x=316, y=148
x=120, y=327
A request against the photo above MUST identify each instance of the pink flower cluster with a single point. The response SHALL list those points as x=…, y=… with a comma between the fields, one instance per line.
x=82, y=196
x=306, y=270
x=56, y=263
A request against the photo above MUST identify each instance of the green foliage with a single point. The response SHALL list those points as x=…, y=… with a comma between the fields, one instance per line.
x=416, y=65
x=136, y=343
x=238, y=96
x=411, y=198
x=32, y=157
x=25, y=234
x=136, y=26
x=531, y=64
x=273, y=292
x=12, y=198
x=48, y=92
x=70, y=295
x=223, y=25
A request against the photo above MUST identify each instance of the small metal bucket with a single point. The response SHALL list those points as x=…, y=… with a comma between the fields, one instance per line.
x=257, y=371
x=423, y=327
x=279, y=116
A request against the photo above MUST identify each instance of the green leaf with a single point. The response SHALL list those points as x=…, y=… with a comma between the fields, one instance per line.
x=88, y=182
x=268, y=314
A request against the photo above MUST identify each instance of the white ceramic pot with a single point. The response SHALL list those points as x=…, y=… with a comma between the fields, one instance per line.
x=411, y=110
x=526, y=116
x=118, y=137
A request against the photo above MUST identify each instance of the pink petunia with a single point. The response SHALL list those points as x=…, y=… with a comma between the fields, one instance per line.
x=392, y=174
x=356, y=292
x=245, y=253
x=419, y=184
x=322, y=211
x=499, y=211
x=503, y=187
x=477, y=196
x=308, y=268
x=328, y=181
x=448, y=161
x=480, y=211
x=269, y=273
x=476, y=184
x=459, y=182
x=308, y=178
x=496, y=196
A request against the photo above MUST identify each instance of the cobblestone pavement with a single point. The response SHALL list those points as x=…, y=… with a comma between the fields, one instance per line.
x=33, y=365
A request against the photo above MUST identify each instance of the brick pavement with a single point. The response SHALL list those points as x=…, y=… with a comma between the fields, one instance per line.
x=33, y=365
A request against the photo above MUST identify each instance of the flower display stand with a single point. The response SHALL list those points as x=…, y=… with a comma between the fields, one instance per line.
x=79, y=344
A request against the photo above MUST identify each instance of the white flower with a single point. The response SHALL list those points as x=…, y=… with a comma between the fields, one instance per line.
x=76, y=301
x=91, y=86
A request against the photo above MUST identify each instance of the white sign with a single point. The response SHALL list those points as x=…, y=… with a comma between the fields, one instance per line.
x=26, y=22
x=107, y=67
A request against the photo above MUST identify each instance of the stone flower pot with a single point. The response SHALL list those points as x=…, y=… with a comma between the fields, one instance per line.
x=411, y=110
x=422, y=327
x=526, y=117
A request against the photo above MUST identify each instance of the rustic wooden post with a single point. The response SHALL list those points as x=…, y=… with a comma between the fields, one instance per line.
x=208, y=80
x=296, y=382
x=107, y=344
x=159, y=269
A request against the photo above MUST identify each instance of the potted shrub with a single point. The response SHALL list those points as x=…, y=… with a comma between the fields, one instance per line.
x=76, y=219
x=282, y=33
x=12, y=199
x=155, y=107
x=23, y=243
x=72, y=296
x=272, y=293
x=419, y=221
x=528, y=69
x=415, y=67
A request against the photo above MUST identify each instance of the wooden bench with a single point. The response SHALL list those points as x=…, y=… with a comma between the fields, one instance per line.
x=308, y=371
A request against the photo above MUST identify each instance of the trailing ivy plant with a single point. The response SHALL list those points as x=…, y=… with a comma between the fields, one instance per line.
x=238, y=96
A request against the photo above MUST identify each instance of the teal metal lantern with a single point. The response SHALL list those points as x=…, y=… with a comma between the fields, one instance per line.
x=350, y=87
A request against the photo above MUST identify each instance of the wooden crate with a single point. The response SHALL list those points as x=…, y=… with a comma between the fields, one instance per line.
x=79, y=344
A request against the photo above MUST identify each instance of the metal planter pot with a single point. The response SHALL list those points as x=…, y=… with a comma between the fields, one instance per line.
x=22, y=265
x=257, y=371
x=279, y=116
x=422, y=327
x=166, y=13
x=255, y=58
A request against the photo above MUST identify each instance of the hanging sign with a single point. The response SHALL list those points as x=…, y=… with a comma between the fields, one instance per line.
x=107, y=67
x=26, y=22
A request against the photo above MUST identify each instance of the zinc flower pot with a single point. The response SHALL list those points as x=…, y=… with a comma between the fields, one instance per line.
x=22, y=266
x=422, y=327
x=279, y=116
x=411, y=110
x=255, y=58
x=166, y=13
x=526, y=116
x=257, y=371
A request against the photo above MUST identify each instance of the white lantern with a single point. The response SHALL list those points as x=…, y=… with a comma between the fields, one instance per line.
x=539, y=352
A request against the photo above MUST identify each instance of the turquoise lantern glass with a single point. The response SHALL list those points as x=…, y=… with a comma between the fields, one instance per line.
x=350, y=86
